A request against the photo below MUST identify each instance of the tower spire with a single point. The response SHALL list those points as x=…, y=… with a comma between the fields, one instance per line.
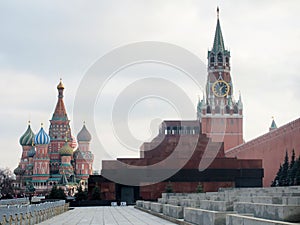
x=218, y=41
x=273, y=124
x=60, y=110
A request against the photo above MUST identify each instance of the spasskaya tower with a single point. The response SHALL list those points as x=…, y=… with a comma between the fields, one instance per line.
x=220, y=115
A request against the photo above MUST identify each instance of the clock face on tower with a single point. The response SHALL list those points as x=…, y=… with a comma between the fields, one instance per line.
x=220, y=88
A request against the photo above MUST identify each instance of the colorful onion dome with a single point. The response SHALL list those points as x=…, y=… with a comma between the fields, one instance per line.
x=84, y=134
x=27, y=137
x=31, y=152
x=66, y=150
x=19, y=171
x=60, y=85
x=73, y=143
x=42, y=138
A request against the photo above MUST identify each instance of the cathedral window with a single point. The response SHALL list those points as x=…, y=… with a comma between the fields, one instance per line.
x=220, y=57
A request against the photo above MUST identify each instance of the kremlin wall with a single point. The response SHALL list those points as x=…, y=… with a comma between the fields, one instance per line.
x=271, y=148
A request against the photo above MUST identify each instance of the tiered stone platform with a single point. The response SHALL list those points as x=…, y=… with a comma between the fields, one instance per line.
x=242, y=206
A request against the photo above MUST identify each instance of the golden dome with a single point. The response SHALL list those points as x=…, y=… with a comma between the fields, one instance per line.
x=60, y=85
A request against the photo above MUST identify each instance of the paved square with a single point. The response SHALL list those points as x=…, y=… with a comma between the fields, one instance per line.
x=106, y=215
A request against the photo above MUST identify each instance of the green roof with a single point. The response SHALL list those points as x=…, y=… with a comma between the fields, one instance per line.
x=273, y=125
x=218, y=41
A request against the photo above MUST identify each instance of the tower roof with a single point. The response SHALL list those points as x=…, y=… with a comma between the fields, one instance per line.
x=60, y=112
x=42, y=138
x=218, y=41
x=84, y=134
x=66, y=150
x=27, y=138
x=273, y=125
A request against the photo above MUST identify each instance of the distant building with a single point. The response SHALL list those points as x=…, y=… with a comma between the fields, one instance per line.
x=49, y=158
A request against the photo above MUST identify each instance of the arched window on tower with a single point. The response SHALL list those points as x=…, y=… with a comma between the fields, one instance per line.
x=212, y=59
x=227, y=109
x=227, y=60
x=220, y=57
x=208, y=109
x=235, y=109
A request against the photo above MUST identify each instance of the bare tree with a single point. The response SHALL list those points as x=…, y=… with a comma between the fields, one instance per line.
x=6, y=180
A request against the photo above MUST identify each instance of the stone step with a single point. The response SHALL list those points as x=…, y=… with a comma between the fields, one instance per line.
x=202, y=216
x=289, y=213
x=216, y=205
x=156, y=207
x=173, y=211
x=234, y=219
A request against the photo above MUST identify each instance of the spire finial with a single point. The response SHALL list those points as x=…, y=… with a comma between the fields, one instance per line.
x=83, y=122
x=42, y=124
x=218, y=11
x=60, y=85
x=28, y=122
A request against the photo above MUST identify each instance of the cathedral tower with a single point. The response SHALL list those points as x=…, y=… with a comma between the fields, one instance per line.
x=59, y=130
x=83, y=156
x=66, y=153
x=220, y=115
x=41, y=170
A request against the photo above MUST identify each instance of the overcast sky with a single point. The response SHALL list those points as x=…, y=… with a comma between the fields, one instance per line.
x=42, y=41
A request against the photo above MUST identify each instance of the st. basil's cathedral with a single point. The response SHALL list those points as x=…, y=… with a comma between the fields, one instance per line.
x=50, y=159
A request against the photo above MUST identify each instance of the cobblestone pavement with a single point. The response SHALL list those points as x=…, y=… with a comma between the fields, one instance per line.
x=106, y=215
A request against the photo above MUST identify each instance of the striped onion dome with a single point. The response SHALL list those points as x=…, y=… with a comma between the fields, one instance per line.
x=27, y=138
x=84, y=135
x=66, y=150
x=31, y=152
x=42, y=138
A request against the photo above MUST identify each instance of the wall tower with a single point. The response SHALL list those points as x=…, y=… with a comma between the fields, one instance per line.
x=220, y=115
